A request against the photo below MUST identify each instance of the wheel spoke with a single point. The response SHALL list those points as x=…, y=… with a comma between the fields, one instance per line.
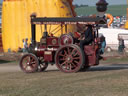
x=70, y=67
x=69, y=58
x=33, y=62
x=76, y=62
x=25, y=67
x=76, y=58
x=65, y=53
x=73, y=65
x=28, y=59
x=62, y=59
x=74, y=52
x=31, y=67
x=61, y=55
x=68, y=50
x=66, y=66
x=64, y=63
x=31, y=59
x=43, y=66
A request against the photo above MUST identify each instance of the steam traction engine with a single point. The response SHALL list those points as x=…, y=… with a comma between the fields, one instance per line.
x=62, y=51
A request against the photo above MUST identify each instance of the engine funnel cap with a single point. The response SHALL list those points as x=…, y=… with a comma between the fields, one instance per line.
x=101, y=2
x=101, y=5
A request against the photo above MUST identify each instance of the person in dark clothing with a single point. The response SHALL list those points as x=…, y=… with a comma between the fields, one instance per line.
x=103, y=43
x=88, y=37
x=121, y=45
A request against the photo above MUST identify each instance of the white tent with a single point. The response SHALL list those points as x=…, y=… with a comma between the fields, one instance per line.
x=111, y=36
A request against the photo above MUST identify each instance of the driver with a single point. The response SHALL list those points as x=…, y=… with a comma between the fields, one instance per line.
x=87, y=36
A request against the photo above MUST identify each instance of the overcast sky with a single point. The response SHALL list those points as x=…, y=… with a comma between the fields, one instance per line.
x=93, y=2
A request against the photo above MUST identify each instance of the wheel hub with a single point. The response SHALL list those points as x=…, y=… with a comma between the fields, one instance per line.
x=69, y=59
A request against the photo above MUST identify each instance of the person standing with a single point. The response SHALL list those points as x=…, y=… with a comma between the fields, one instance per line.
x=103, y=43
x=121, y=45
x=25, y=45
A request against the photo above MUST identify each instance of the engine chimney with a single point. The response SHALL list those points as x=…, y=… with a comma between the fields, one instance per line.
x=33, y=30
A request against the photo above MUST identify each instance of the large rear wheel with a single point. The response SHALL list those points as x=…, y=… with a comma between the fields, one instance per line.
x=69, y=58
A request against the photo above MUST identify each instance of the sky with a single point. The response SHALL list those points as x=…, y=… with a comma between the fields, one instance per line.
x=93, y=2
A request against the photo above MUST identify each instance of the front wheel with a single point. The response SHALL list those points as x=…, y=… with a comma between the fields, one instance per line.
x=29, y=63
x=69, y=58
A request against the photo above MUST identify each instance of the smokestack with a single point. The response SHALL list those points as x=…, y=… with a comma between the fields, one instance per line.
x=101, y=7
x=33, y=29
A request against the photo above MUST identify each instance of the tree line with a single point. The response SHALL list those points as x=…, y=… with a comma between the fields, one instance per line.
x=0, y=8
x=77, y=6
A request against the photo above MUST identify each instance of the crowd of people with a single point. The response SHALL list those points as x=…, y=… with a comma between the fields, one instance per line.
x=118, y=22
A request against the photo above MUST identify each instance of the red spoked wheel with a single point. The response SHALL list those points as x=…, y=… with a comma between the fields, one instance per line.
x=29, y=63
x=69, y=58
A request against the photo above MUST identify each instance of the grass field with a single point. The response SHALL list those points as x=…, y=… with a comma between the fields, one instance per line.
x=109, y=79
x=115, y=10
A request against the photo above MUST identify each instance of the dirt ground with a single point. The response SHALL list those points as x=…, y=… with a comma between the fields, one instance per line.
x=9, y=62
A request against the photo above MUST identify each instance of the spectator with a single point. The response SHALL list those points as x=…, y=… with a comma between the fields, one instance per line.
x=121, y=45
x=25, y=45
x=103, y=43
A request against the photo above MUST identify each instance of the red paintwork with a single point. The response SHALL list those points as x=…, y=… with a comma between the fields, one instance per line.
x=90, y=50
x=77, y=35
x=53, y=41
x=48, y=57
x=90, y=54
x=66, y=39
x=51, y=46
x=44, y=48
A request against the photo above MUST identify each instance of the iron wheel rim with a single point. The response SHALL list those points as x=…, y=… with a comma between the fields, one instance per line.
x=29, y=63
x=69, y=59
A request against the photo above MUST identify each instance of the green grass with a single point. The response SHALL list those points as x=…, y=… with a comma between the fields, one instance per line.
x=98, y=81
x=115, y=60
x=61, y=84
x=115, y=10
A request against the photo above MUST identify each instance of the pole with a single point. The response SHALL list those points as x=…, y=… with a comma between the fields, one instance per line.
x=33, y=30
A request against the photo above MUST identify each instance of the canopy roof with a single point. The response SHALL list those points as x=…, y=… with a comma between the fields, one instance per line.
x=72, y=20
